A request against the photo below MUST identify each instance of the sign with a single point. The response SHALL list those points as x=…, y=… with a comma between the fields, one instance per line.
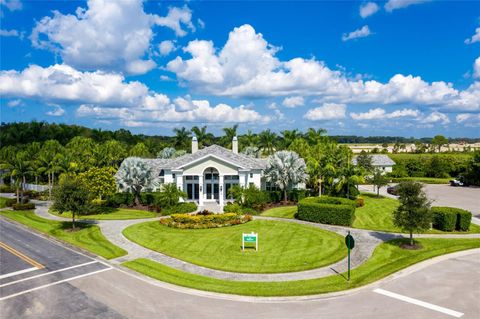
x=349, y=241
x=250, y=238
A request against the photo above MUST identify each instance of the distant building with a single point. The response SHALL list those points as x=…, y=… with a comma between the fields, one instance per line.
x=379, y=161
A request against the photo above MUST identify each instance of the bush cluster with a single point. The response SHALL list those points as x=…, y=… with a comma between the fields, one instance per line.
x=180, y=208
x=294, y=195
x=327, y=210
x=360, y=202
x=204, y=220
x=24, y=206
x=4, y=188
x=450, y=219
x=232, y=208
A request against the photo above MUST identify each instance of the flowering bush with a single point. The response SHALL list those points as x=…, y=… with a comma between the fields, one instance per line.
x=204, y=220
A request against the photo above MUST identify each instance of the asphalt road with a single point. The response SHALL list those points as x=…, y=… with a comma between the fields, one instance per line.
x=451, y=286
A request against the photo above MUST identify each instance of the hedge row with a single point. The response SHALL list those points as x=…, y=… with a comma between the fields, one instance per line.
x=327, y=210
x=24, y=206
x=450, y=219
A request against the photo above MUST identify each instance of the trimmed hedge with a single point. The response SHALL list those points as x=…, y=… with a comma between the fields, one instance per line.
x=180, y=208
x=25, y=206
x=451, y=218
x=327, y=210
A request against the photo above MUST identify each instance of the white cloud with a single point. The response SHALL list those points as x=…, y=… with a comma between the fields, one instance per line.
x=166, y=47
x=175, y=18
x=359, y=33
x=293, y=101
x=476, y=68
x=474, y=38
x=468, y=119
x=368, y=9
x=14, y=103
x=57, y=111
x=108, y=35
x=380, y=114
x=436, y=117
x=328, y=111
x=201, y=23
x=9, y=33
x=12, y=5
x=399, y=4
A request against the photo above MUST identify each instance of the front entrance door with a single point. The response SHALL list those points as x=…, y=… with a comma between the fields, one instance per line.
x=211, y=186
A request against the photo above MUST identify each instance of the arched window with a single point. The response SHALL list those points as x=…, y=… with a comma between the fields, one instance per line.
x=161, y=177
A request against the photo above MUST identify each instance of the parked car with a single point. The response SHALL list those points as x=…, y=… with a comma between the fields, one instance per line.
x=456, y=182
x=393, y=190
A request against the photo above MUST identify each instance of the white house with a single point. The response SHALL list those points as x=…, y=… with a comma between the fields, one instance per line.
x=207, y=174
x=379, y=161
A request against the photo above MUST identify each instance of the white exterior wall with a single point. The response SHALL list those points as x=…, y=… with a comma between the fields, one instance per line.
x=200, y=167
x=256, y=178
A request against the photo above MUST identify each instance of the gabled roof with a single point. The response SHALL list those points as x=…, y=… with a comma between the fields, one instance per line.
x=239, y=160
x=378, y=160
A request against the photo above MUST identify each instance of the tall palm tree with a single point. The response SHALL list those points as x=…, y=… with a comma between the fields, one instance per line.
x=230, y=133
x=315, y=136
x=19, y=167
x=288, y=136
x=33, y=152
x=249, y=139
x=46, y=161
x=203, y=137
x=320, y=165
x=267, y=142
x=182, y=137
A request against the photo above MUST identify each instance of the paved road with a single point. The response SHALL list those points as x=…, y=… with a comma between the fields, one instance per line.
x=452, y=283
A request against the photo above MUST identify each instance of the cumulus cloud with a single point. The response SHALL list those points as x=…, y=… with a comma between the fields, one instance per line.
x=359, y=33
x=328, y=111
x=436, y=117
x=166, y=47
x=12, y=5
x=108, y=96
x=380, y=114
x=474, y=38
x=476, y=68
x=293, y=101
x=57, y=111
x=108, y=35
x=399, y=4
x=9, y=33
x=368, y=9
x=247, y=66
x=468, y=119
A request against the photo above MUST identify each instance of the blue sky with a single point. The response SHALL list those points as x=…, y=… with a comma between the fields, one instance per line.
x=398, y=67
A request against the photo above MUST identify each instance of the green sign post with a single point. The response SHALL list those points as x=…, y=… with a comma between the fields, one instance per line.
x=250, y=238
x=350, y=243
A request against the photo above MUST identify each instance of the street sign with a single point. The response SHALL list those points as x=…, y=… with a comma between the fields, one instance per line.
x=250, y=238
x=350, y=243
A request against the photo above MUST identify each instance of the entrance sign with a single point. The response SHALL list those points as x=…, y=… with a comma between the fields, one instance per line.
x=350, y=243
x=250, y=238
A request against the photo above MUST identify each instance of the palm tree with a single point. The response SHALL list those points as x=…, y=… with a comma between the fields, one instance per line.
x=203, y=137
x=249, y=139
x=46, y=161
x=19, y=167
x=182, y=137
x=135, y=175
x=33, y=152
x=285, y=169
x=320, y=165
x=288, y=137
x=267, y=141
x=170, y=195
x=230, y=133
x=315, y=136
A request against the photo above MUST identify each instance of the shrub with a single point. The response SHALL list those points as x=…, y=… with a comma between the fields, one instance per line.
x=297, y=195
x=6, y=189
x=360, y=202
x=24, y=206
x=327, y=210
x=10, y=202
x=147, y=198
x=202, y=220
x=250, y=211
x=119, y=199
x=232, y=208
x=180, y=208
x=450, y=219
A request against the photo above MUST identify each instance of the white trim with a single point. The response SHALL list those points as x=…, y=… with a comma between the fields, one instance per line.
x=17, y=273
x=53, y=284
x=420, y=303
x=47, y=273
x=207, y=156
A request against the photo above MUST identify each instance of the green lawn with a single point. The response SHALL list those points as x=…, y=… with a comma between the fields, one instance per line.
x=89, y=237
x=377, y=215
x=119, y=213
x=386, y=259
x=425, y=180
x=283, y=247
x=282, y=212
x=3, y=202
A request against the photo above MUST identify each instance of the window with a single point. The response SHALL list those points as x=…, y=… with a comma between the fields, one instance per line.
x=251, y=175
x=251, y=184
x=173, y=175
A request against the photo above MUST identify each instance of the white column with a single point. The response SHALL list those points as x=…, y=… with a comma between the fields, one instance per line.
x=242, y=179
x=179, y=178
x=200, y=188
x=220, y=191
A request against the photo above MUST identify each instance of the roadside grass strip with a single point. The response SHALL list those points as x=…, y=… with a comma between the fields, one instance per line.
x=387, y=258
x=282, y=246
x=88, y=237
x=420, y=303
x=116, y=214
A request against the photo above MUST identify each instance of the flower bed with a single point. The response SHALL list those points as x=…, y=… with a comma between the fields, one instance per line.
x=205, y=220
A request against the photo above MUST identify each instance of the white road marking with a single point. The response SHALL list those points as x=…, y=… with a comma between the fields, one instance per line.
x=420, y=303
x=18, y=272
x=53, y=283
x=47, y=273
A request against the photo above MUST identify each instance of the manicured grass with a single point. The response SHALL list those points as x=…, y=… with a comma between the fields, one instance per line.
x=3, y=202
x=386, y=259
x=89, y=237
x=377, y=215
x=425, y=180
x=282, y=212
x=283, y=246
x=119, y=213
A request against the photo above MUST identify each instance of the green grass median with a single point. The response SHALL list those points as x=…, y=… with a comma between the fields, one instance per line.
x=88, y=237
x=115, y=214
x=387, y=258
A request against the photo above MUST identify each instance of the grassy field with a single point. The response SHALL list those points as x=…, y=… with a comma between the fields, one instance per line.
x=282, y=212
x=89, y=237
x=283, y=247
x=119, y=213
x=407, y=156
x=386, y=259
x=425, y=180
